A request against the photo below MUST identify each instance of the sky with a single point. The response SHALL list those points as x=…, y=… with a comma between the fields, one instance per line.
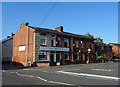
x=97, y=18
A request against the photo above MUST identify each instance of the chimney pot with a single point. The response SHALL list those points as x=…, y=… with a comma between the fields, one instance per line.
x=60, y=29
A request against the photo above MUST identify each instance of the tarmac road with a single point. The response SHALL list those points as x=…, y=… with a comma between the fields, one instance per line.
x=68, y=75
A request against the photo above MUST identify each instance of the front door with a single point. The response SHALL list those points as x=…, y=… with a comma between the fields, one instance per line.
x=52, y=59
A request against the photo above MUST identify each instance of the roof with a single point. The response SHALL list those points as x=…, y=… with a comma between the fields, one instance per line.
x=116, y=44
x=6, y=39
x=59, y=33
x=100, y=43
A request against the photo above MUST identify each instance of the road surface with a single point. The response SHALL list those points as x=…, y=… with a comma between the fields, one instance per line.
x=79, y=75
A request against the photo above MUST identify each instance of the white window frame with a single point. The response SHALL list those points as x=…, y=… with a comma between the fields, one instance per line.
x=44, y=39
x=58, y=40
x=53, y=40
x=67, y=41
x=76, y=43
x=46, y=55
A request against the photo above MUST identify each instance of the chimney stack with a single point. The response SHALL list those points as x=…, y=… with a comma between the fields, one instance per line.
x=12, y=34
x=60, y=29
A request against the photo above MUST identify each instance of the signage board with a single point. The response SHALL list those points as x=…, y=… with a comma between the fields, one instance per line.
x=53, y=48
x=22, y=48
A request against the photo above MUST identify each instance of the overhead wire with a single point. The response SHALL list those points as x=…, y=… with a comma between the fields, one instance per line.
x=48, y=13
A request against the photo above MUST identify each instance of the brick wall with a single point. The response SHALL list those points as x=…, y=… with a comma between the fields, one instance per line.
x=24, y=36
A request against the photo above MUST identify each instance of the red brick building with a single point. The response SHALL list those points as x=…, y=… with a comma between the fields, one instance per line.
x=115, y=49
x=104, y=50
x=51, y=47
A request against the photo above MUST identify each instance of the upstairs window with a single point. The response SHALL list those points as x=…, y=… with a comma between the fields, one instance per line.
x=84, y=44
x=76, y=43
x=42, y=39
x=52, y=40
x=90, y=45
x=81, y=44
x=58, y=41
x=103, y=47
x=66, y=42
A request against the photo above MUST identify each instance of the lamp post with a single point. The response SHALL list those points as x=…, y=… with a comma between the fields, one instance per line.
x=89, y=50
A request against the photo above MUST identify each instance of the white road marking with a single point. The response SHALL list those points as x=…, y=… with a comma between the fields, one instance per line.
x=17, y=73
x=26, y=75
x=3, y=70
x=12, y=72
x=59, y=83
x=41, y=78
x=103, y=70
x=90, y=75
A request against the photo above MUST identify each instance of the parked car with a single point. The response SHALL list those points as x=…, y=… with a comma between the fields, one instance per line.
x=116, y=60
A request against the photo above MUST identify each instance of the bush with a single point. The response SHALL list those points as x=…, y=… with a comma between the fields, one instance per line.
x=100, y=57
x=109, y=58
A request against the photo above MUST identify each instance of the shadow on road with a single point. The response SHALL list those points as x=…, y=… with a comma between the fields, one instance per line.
x=12, y=66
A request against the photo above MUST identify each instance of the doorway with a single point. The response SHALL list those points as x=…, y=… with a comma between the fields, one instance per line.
x=52, y=59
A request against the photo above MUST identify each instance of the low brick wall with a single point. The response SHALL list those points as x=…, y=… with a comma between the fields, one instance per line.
x=43, y=64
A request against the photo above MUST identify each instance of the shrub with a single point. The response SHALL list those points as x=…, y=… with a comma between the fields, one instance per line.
x=100, y=57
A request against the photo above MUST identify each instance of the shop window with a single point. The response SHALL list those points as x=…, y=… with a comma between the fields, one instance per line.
x=42, y=39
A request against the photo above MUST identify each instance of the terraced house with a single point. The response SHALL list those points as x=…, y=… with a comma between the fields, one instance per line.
x=46, y=47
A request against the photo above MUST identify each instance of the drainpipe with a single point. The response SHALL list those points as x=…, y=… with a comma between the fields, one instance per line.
x=27, y=47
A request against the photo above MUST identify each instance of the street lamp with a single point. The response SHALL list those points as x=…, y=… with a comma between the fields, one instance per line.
x=89, y=50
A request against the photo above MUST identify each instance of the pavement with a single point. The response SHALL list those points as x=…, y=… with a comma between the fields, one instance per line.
x=80, y=75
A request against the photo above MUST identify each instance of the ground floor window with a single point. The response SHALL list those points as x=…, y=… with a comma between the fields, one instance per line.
x=83, y=57
x=76, y=56
x=43, y=56
x=58, y=56
x=66, y=55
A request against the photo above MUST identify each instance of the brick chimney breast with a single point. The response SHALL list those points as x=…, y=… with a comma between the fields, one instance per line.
x=60, y=29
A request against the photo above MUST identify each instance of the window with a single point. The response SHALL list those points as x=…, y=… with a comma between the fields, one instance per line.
x=83, y=57
x=76, y=43
x=42, y=39
x=66, y=55
x=76, y=56
x=43, y=56
x=81, y=43
x=90, y=45
x=102, y=47
x=84, y=44
x=58, y=56
x=52, y=40
x=66, y=42
x=58, y=41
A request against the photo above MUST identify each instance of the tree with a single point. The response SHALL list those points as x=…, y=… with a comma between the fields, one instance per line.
x=89, y=35
x=98, y=39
